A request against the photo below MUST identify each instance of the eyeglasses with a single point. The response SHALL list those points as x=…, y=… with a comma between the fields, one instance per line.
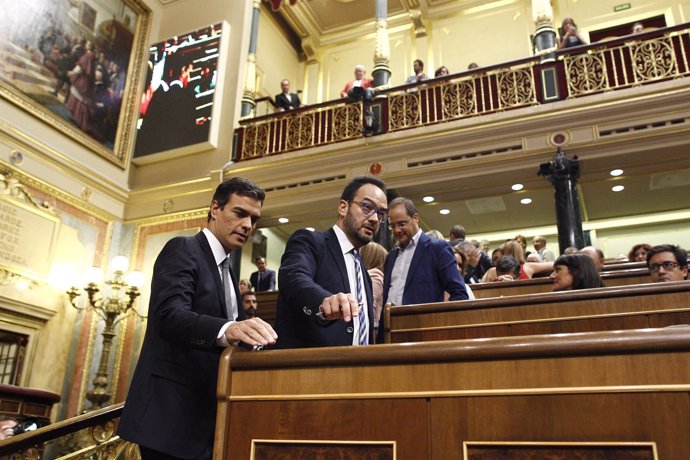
x=369, y=210
x=401, y=224
x=668, y=266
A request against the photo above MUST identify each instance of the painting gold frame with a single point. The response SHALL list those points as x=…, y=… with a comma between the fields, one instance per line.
x=119, y=149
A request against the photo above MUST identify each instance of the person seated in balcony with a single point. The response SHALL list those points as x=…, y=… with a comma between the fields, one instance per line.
x=287, y=100
x=441, y=71
x=419, y=75
x=472, y=65
x=637, y=28
x=359, y=81
x=569, y=35
x=667, y=262
x=638, y=253
x=575, y=271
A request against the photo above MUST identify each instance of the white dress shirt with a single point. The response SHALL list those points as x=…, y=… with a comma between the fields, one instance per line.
x=219, y=255
x=400, y=269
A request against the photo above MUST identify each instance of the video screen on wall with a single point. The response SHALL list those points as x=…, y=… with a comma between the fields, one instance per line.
x=177, y=103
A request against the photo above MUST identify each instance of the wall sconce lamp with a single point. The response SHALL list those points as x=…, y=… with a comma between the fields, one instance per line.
x=113, y=308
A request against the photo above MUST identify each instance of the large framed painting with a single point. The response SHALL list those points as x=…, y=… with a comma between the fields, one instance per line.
x=179, y=111
x=77, y=65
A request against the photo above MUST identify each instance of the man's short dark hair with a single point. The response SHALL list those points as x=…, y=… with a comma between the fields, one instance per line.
x=258, y=259
x=457, y=232
x=419, y=61
x=236, y=186
x=350, y=189
x=410, y=208
x=508, y=265
x=680, y=254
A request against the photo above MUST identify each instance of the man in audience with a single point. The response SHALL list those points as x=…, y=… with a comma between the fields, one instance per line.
x=667, y=262
x=478, y=263
x=249, y=304
x=419, y=75
x=597, y=256
x=456, y=235
x=263, y=279
x=325, y=294
x=420, y=269
x=359, y=81
x=287, y=100
x=546, y=254
x=484, y=246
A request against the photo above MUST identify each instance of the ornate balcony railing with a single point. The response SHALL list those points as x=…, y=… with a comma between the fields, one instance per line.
x=572, y=73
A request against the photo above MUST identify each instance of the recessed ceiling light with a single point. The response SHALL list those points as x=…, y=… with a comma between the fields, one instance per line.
x=618, y=188
x=428, y=199
x=311, y=229
x=283, y=220
x=444, y=211
x=526, y=200
x=517, y=187
x=616, y=172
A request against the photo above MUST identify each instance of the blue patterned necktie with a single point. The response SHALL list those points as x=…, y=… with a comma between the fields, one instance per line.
x=363, y=330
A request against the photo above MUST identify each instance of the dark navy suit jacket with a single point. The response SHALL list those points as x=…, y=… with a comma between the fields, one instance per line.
x=311, y=269
x=268, y=280
x=171, y=404
x=433, y=271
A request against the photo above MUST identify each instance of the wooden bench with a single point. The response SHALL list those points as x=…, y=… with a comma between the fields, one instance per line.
x=517, y=287
x=609, y=308
x=621, y=394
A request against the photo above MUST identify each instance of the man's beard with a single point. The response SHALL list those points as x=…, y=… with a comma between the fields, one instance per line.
x=352, y=230
x=250, y=312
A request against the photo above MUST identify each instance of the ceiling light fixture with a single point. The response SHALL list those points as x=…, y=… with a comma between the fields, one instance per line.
x=517, y=187
x=444, y=211
x=283, y=220
x=617, y=188
x=526, y=200
x=428, y=199
x=616, y=172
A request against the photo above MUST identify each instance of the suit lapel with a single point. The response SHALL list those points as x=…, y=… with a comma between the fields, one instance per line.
x=419, y=253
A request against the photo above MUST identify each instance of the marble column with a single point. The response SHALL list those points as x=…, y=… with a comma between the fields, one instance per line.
x=563, y=173
x=248, y=102
x=544, y=37
x=382, y=51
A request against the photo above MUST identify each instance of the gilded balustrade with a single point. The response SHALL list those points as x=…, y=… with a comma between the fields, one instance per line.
x=578, y=72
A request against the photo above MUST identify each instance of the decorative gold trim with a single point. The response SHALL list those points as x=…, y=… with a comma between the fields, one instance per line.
x=652, y=445
x=332, y=442
x=455, y=393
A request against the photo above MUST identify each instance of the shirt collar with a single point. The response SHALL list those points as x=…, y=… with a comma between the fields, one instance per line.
x=413, y=242
x=345, y=244
x=218, y=250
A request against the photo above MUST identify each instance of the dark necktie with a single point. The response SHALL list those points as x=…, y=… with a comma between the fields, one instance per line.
x=363, y=330
x=227, y=288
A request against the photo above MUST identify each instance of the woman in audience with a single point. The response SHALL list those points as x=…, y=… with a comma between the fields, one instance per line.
x=638, y=253
x=245, y=286
x=527, y=269
x=462, y=260
x=441, y=71
x=575, y=271
x=433, y=233
x=373, y=258
x=507, y=269
x=569, y=35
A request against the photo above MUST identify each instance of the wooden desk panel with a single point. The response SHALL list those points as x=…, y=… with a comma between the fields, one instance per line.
x=431, y=398
x=611, y=308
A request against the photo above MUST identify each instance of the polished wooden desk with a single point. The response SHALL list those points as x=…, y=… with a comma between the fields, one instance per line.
x=534, y=285
x=609, y=308
x=613, y=394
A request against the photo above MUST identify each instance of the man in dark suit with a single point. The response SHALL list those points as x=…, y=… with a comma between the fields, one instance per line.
x=263, y=279
x=287, y=100
x=325, y=296
x=420, y=269
x=194, y=313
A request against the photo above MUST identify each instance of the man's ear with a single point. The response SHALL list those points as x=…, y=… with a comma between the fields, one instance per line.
x=214, y=209
x=343, y=206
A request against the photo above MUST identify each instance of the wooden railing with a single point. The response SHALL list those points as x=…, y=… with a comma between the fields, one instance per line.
x=86, y=436
x=583, y=71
